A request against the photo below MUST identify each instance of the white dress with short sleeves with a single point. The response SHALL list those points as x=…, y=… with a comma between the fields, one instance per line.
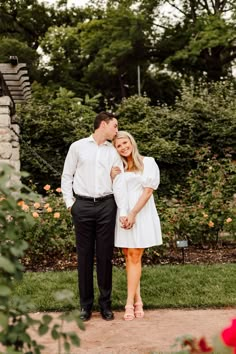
x=146, y=231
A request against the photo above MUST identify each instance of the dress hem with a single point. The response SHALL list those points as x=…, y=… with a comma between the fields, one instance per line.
x=128, y=246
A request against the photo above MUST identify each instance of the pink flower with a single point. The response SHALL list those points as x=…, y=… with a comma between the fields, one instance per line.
x=58, y=190
x=229, y=336
x=56, y=215
x=47, y=187
x=35, y=214
x=228, y=220
x=49, y=209
x=36, y=205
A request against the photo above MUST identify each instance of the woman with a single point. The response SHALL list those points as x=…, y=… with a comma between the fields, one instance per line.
x=141, y=229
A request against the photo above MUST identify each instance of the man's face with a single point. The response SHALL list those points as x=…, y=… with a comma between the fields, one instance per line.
x=111, y=129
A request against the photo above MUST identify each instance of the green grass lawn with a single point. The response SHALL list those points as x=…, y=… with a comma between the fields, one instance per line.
x=177, y=286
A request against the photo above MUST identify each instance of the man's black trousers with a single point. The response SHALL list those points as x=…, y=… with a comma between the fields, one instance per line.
x=94, y=223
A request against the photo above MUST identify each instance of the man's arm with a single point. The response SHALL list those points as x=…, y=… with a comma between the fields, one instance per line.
x=68, y=176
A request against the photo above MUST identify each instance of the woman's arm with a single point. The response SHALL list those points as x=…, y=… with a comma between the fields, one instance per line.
x=145, y=196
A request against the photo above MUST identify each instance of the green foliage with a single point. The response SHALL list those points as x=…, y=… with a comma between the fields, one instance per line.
x=61, y=45
x=200, y=42
x=52, y=236
x=97, y=48
x=14, y=318
x=205, y=211
x=24, y=20
x=113, y=46
x=24, y=53
x=204, y=115
x=49, y=124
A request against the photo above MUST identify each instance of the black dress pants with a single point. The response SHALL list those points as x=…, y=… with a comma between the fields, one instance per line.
x=94, y=229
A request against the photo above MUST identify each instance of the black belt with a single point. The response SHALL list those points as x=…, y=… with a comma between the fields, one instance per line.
x=98, y=199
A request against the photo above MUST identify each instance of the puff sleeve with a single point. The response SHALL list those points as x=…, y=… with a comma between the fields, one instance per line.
x=151, y=174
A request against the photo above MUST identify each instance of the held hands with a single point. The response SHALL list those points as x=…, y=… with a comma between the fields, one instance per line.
x=128, y=221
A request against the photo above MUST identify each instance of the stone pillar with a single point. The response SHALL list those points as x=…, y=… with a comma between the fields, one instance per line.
x=9, y=135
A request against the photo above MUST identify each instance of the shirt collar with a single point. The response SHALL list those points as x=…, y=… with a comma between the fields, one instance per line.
x=90, y=138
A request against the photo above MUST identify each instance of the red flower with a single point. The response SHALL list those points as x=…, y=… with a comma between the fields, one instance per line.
x=204, y=347
x=229, y=335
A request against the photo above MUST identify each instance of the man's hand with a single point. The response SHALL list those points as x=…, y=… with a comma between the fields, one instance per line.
x=114, y=172
x=127, y=222
x=123, y=220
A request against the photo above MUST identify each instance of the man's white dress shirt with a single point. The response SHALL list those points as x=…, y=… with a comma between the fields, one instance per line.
x=87, y=172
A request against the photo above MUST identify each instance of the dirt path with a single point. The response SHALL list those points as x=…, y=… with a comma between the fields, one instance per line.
x=156, y=332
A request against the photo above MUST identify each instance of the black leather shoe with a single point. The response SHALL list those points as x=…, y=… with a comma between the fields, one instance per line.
x=107, y=314
x=85, y=314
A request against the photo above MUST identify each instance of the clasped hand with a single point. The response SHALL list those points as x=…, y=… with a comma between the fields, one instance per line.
x=127, y=222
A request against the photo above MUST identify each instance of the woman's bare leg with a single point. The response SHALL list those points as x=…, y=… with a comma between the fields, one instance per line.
x=134, y=269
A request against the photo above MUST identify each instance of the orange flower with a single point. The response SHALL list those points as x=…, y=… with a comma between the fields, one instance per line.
x=49, y=209
x=58, y=190
x=47, y=187
x=46, y=205
x=35, y=214
x=2, y=198
x=205, y=215
x=211, y=224
x=21, y=202
x=56, y=215
x=37, y=205
x=228, y=220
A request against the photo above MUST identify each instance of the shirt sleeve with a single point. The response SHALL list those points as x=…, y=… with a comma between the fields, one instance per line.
x=151, y=174
x=68, y=175
x=120, y=187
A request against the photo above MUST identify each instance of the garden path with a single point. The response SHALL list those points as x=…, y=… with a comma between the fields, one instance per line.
x=156, y=332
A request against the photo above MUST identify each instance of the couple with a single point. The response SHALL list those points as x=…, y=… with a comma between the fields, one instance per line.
x=108, y=190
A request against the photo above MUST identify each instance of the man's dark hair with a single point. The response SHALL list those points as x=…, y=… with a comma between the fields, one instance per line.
x=103, y=116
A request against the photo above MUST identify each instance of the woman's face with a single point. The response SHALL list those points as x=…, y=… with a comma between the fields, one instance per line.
x=124, y=147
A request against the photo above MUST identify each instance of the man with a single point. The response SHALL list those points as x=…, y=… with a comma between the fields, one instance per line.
x=92, y=199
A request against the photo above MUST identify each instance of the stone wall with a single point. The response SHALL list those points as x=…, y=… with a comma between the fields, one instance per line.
x=9, y=134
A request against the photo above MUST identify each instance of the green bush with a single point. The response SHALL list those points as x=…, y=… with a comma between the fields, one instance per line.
x=15, y=320
x=205, y=210
x=52, y=236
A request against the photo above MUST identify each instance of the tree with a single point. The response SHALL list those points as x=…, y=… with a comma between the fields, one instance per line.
x=50, y=122
x=201, y=40
x=114, y=47
x=25, y=20
x=25, y=54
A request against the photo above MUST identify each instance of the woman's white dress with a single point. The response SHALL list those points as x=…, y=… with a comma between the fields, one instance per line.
x=146, y=231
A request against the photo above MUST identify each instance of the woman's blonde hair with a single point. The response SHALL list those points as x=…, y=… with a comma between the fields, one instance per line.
x=136, y=157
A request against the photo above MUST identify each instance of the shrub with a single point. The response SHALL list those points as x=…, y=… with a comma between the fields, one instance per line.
x=205, y=210
x=14, y=318
x=52, y=236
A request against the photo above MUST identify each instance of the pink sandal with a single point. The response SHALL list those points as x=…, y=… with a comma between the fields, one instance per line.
x=129, y=313
x=138, y=310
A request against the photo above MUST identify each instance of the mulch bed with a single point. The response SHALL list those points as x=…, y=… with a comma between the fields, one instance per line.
x=191, y=255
